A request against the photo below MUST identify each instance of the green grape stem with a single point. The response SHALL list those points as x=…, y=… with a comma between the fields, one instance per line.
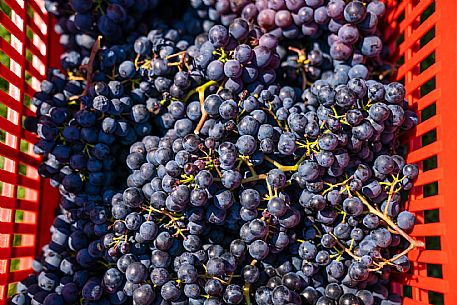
x=247, y=293
x=345, y=249
x=287, y=168
x=201, y=96
x=332, y=186
x=254, y=178
x=391, y=194
x=173, y=221
x=413, y=243
x=248, y=163
x=269, y=111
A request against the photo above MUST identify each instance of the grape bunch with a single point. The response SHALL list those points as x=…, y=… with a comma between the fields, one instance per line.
x=81, y=22
x=336, y=32
x=81, y=160
x=85, y=131
x=227, y=152
x=277, y=179
x=296, y=18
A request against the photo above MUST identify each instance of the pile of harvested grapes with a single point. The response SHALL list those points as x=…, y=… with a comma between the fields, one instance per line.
x=222, y=152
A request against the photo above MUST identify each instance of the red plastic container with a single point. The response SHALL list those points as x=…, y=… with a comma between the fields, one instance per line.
x=422, y=35
x=28, y=46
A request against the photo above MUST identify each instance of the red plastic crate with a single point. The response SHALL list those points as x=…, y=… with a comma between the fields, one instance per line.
x=422, y=35
x=28, y=46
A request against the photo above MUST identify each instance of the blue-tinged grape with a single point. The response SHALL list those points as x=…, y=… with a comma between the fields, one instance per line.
x=354, y=11
x=262, y=56
x=218, y=36
x=340, y=51
x=258, y=249
x=232, y=68
x=406, y=220
x=286, y=144
x=376, y=7
x=371, y=46
x=239, y=29
x=215, y=70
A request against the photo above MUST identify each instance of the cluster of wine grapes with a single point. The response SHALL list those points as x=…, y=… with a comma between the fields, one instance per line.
x=334, y=32
x=227, y=152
